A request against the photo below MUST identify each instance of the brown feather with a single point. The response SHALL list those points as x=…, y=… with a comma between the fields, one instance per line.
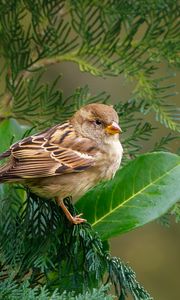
x=68, y=159
x=46, y=154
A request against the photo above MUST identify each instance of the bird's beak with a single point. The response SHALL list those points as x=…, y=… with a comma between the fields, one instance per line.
x=113, y=128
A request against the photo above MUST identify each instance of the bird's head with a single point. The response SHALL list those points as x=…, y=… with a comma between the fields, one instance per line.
x=97, y=121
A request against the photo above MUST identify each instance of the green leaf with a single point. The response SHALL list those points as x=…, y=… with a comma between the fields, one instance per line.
x=10, y=132
x=141, y=191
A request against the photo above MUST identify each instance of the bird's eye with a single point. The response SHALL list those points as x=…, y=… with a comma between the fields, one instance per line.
x=98, y=122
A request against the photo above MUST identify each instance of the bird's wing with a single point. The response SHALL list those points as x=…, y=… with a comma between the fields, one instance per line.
x=55, y=151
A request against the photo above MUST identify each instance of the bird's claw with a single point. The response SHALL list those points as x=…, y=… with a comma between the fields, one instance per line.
x=77, y=220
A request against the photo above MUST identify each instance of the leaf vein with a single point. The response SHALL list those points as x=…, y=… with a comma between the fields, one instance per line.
x=127, y=200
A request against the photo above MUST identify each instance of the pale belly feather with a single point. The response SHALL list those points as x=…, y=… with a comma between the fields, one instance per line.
x=74, y=185
x=77, y=184
x=113, y=160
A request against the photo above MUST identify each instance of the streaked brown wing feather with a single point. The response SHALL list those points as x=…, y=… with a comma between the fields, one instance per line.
x=53, y=152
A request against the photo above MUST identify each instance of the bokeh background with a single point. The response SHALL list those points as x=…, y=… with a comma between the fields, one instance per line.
x=153, y=251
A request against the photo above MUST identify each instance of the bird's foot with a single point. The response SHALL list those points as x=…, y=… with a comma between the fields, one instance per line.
x=77, y=219
x=74, y=220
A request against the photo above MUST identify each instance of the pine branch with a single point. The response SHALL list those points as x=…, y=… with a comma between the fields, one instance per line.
x=176, y=212
x=94, y=39
x=134, y=129
x=42, y=105
x=51, y=251
x=151, y=96
x=104, y=39
x=166, y=219
x=10, y=291
x=162, y=144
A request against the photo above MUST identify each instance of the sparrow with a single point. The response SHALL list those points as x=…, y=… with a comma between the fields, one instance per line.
x=67, y=159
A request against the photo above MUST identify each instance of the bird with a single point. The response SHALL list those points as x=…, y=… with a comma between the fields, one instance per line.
x=67, y=159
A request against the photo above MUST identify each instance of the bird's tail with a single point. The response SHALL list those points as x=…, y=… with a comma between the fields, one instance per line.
x=4, y=168
x=5, y=154
x=4, y=173
x=2, y=179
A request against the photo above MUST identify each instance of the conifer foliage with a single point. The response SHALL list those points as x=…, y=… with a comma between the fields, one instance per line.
x=42, y=256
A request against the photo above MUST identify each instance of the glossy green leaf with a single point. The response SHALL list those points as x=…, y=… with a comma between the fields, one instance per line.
x=140, y=192
x=10, y=132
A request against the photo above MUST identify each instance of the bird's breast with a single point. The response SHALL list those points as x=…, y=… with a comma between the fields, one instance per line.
x=111, y=160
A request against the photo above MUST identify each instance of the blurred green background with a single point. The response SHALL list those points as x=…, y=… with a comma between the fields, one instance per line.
x=154, y=250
